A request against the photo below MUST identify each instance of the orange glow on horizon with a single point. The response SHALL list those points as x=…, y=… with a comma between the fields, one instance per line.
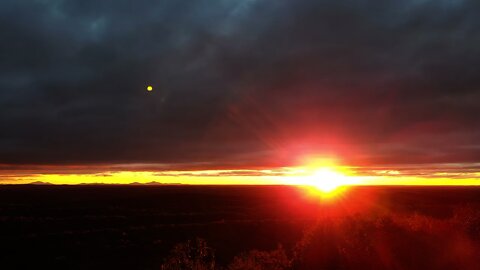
x=326, y=175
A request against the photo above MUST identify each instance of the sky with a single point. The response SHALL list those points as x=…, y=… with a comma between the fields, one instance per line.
x=240, y=89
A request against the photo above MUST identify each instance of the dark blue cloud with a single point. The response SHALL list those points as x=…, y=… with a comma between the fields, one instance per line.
x=238, y=81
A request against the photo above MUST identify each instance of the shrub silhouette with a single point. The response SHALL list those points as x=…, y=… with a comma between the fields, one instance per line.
x=190, y=255
x=261, y=260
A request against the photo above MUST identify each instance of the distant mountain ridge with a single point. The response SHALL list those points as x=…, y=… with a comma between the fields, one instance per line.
x=153, y=183
x=39, y=183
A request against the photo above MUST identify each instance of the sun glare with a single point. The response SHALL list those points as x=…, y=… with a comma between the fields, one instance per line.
x=324, y=178
x=327, y=183
x=327, y=180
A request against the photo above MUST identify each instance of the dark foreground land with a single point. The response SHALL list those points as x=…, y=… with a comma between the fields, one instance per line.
x=250, y=227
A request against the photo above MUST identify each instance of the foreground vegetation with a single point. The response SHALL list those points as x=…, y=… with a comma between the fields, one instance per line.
x=374, y=241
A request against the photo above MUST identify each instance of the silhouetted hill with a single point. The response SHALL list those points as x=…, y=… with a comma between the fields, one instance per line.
x=39, y=183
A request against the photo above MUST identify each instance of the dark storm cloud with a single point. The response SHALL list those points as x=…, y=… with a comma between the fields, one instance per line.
x=239, y=83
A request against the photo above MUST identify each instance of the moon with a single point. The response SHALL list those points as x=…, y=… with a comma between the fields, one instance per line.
x=149, y=88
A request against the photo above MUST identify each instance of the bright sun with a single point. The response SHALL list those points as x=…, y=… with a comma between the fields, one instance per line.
x=327, y=179
x=324, y=177
x=325, y=174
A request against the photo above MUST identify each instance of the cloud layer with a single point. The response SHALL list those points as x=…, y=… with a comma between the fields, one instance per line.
x=239, y=83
